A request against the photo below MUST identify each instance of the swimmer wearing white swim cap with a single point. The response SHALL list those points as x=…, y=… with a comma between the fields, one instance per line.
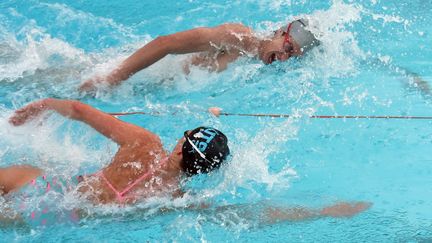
x=214, y=48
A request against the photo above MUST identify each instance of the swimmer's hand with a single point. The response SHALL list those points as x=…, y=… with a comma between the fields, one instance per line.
x=345, y=210
x=90, y=86
x=340, y=210
x=87, y=87
x=28, y=112
x=109, y=81
x=216, y=111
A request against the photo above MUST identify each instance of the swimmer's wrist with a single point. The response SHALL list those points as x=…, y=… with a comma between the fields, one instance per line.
x=320, y=213
x=117, y=76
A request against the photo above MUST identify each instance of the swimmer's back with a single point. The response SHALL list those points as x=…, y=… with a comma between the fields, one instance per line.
x=128, y=165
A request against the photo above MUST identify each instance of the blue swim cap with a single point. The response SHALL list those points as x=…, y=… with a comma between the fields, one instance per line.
x=204, y=150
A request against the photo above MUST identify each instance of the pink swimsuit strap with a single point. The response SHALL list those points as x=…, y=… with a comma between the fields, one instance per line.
x=121, y=194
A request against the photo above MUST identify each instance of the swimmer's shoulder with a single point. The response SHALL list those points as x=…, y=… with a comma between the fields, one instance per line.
x=234, y=27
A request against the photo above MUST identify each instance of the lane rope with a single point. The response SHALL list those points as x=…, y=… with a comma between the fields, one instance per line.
x=287, y=116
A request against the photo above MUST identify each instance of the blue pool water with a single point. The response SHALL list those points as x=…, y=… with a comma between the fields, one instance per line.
x=372, y=58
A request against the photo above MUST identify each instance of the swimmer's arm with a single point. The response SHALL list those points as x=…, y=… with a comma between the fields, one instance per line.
x=120, y=132
x=266, y=214
x=189, y=41
x=263, y=216
x=339, y=210
x=414, y=79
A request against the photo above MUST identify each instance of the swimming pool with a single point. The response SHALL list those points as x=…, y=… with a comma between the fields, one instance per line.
x=371, y=56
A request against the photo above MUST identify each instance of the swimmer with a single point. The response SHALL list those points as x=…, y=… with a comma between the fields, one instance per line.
x=215, y=48
x=139, y=159
x=141, y=168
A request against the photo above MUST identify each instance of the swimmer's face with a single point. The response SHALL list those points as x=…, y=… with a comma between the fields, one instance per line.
x=177, y=151
x=178, y=148
x=280, y=48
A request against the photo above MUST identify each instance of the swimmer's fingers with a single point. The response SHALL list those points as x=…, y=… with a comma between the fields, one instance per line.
x=28, y=112
x=216, y=111
x=93, y=85
x=345, y=210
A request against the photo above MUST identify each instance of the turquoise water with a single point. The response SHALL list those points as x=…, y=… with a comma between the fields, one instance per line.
x=372, y=53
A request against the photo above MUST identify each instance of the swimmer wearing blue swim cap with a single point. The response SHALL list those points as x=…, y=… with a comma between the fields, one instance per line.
x=214, y=48
x=140, y=169
x=204, y=150
x=155, y=170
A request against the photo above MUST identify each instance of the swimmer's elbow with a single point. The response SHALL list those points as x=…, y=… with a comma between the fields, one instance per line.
x=165, y=44
x=77, y=110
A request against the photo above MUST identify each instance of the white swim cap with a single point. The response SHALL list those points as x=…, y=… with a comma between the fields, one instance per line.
x=298, y=32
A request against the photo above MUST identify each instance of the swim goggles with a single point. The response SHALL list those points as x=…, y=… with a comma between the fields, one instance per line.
x=287, y=45
x=297, y=31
